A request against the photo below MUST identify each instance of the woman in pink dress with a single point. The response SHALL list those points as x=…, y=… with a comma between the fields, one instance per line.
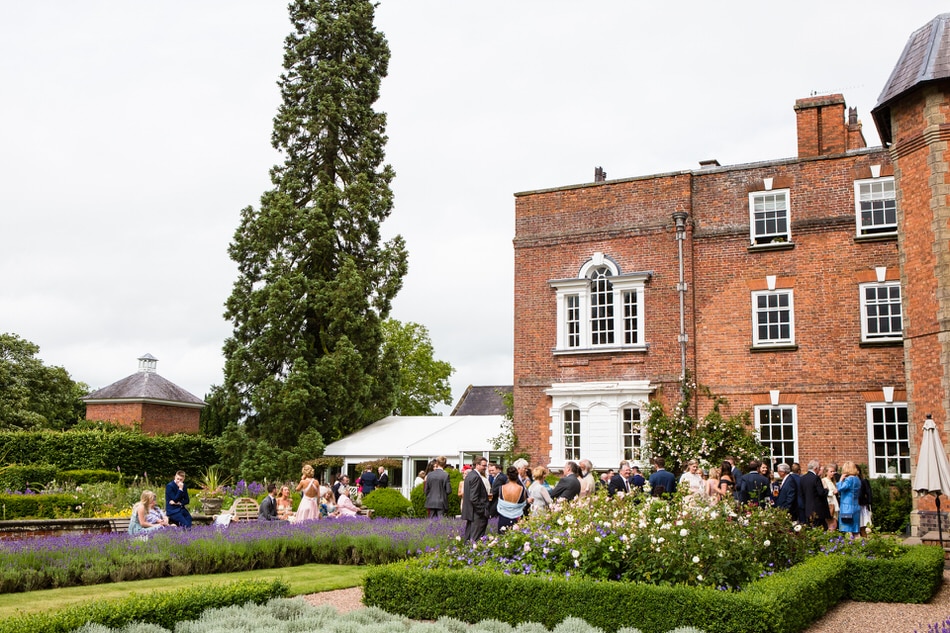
x=344, y=505
x=309, y=488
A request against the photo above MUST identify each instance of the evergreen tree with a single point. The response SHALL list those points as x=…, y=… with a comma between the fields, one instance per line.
x=315, y=279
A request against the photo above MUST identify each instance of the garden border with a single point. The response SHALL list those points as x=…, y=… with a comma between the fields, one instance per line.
x=786, y=602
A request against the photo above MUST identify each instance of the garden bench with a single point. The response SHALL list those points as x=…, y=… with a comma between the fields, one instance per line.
x=244, y=509
x=120, y=524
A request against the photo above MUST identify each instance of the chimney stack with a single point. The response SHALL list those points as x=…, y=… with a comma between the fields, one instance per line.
x=599, y=174
x=821, y=127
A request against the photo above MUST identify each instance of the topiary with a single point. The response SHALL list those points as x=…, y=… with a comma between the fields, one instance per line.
x=387, y=503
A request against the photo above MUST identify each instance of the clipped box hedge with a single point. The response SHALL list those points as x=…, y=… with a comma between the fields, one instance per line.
x=163, y=608
x=786, y=602
x=18, y=477
x=53, y=506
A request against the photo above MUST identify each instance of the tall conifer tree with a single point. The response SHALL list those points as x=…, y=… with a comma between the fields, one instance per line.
x=315, y=279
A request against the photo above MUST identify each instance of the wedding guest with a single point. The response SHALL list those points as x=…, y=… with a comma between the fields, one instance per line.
x=309, y=488
x=176, y=501
x=139, y=522
x=849, y=512
x=538, y=492
x=828, y=481
x=285, y=504
x=727, y=484
x=512, y=500
x=712, y=485
x=267, y=511
x=692, y=479
x=344, y=505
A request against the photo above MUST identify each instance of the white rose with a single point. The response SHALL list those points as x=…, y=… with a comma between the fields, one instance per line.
x=684, y=532
x=695, y=559
x=575, y=553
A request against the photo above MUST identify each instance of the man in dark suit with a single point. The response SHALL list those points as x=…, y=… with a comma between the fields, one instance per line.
x=268, y=508
x=368, y=481
x=636, y=479
x=736, y=478
x=788, y=492
x=437, y=489
x=621, y=481
x=815, y=510
x=569, y=486
x=756, y=488
x=475, y=501
x=176, y=500
x=382, y=480
x=662, y=481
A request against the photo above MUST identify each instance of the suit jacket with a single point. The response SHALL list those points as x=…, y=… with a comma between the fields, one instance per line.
x=756, y=488
x=567, y=488
x=368, y=482
x=617, y=484
x=475, y=499
x=814, y=500
x=268, y=509
x=437, y=489
x=663, y=478
x=180, y=497
x=788, y=495
x=383, y=480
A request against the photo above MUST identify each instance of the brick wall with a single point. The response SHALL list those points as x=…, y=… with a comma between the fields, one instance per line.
x=630, y=221
x=155, y=419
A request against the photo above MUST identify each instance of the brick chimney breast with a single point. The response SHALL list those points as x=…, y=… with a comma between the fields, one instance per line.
x=821, y=126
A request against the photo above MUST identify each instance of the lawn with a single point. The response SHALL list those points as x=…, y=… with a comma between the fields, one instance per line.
x=302, y=580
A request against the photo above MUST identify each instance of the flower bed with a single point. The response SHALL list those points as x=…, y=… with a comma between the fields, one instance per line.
x=92, y=559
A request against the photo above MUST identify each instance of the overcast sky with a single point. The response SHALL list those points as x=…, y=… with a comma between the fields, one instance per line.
x=133, y=133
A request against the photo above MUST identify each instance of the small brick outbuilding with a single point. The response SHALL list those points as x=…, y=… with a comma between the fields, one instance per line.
x=145, y=399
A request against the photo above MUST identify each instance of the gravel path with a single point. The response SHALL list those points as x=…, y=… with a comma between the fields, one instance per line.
x=849, y=616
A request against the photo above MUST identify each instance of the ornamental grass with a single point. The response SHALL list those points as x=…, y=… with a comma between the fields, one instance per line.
x=100, y=558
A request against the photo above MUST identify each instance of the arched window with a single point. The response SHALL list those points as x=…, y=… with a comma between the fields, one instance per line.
x=601, y=309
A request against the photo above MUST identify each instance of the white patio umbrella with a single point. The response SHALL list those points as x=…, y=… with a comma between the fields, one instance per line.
x=933, y=469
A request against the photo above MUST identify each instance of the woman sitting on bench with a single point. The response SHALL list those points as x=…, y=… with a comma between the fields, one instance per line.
x=141, y=521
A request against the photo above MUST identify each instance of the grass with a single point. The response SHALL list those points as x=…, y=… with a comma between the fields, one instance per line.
x=302, y=580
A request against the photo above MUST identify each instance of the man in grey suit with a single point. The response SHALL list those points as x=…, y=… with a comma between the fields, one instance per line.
x=475, y=501
x=268, y=508
x=569, y=486
x=437, y=489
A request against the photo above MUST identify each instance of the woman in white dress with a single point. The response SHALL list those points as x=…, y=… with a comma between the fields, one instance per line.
x=828, y=481
x=539, y=495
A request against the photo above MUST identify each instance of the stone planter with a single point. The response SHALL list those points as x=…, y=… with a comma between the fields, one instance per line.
x=211, y=505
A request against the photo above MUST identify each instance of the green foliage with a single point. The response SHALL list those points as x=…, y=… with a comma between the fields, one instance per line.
x=784, y=602
x=423, y=381
x=891, y=504
x=19, y=477
x=388, y=503
x=127, y=452
x=164, y=607
x=259, y=460
x=315, y=280
x=91, y=476
x=33, y=395
x=46, y=506
x=920, y=570
x=678, y=437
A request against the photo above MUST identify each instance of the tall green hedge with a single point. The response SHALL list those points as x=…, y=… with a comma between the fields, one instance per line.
x=129, y=452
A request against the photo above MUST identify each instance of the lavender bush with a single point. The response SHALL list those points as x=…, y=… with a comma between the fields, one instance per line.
x=91, y=559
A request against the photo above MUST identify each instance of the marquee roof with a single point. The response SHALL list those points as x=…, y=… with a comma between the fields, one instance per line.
x=420, y=436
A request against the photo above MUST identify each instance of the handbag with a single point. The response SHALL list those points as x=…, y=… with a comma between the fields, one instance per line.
x=847, y=517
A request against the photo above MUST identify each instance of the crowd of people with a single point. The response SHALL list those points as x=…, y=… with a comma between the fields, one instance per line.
x=820, y=497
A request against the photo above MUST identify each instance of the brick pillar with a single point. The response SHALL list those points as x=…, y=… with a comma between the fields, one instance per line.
x=920, y=127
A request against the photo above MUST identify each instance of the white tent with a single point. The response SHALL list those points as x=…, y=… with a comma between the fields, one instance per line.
x=415, y=439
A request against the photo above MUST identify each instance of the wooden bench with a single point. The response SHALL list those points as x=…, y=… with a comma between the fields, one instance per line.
x=120, y=524
x=244, y=509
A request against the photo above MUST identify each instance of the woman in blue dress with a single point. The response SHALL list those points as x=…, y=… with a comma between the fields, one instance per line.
x=141, y=522
x=849, y=510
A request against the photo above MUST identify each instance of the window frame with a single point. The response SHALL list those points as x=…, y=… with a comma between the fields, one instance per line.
x=572, y=451
x=575, y=320
x=874, y=230
x=633, y=452
x=793, y=409
x=767, y=343
x=777, y=237
x=866, y=337
x=903, y=452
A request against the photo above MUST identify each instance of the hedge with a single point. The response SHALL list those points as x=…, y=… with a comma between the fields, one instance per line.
x=52, y=506
x=164, y=608
x=128, y=452
x=786, y=602
x=19, y=477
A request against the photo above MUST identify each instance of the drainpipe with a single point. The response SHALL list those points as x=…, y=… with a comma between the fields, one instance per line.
x=679, y=218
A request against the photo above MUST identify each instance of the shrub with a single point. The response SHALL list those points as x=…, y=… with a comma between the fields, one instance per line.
x=165, y=607
x=891, y=504
x=90, y=476
x=920, y=570
x=21, y=477
x=46, y=506
x=418, y=496
x=387, y=503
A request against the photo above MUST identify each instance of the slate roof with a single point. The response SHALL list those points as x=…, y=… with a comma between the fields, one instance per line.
x=482, y=401
x=926, y=58
x=145, y=386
